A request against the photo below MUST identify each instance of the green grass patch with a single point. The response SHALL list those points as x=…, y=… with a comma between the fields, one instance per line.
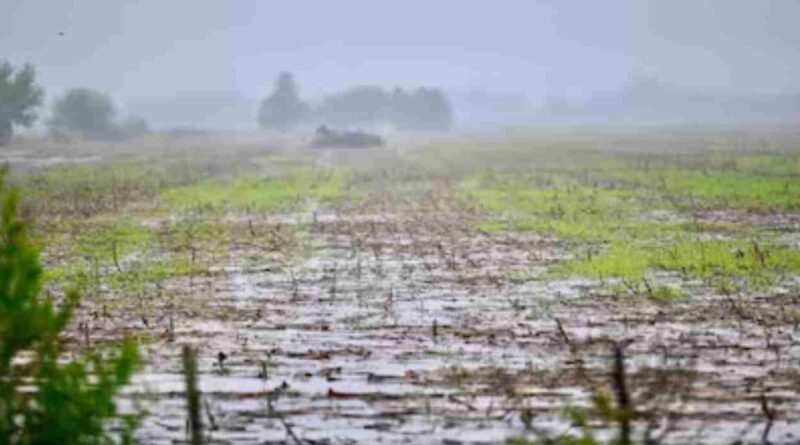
x=561, y=206
x=261, y=193
x=771, y=164
x=716, y=261
x=107, y=239
x=619, y=260
x=750, y=182
x=87, y=190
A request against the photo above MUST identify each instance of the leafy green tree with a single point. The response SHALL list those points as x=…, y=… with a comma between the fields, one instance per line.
x=19, y=96
x=84, y=112
x=283, y=109
x=44, y=400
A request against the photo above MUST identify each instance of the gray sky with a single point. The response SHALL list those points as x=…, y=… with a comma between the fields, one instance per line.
x=152, y=48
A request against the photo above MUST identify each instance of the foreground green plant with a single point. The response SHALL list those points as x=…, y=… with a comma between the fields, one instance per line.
x=44, y=400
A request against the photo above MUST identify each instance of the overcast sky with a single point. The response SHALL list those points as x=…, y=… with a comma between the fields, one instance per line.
x=155, y=48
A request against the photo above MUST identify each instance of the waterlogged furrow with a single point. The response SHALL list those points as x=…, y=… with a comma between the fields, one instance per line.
x=425, y=338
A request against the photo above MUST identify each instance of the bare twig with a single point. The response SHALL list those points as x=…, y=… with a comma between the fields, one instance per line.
x=770, y=414
x=192, y=395
x=623, y=396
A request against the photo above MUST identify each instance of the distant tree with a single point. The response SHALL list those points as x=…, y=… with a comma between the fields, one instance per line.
x=424, y=109
x=19, y=96
x=85, y=112
x=357, y=106
x=132, y=127
x=283, y=109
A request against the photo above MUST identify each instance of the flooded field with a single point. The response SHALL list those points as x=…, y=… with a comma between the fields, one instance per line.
x=517, y=288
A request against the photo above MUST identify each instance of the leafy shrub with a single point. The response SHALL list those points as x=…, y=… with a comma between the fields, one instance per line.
x=45, y=400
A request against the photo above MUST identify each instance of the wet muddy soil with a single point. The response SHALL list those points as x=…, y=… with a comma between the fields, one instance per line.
x=412, y=328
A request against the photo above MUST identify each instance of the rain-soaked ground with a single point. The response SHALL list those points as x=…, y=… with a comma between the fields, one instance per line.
x=406, y=328
x=403, y=324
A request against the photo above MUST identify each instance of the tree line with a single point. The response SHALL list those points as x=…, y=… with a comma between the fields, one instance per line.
x=91, y=115
x=79, y=112
x=421, y=109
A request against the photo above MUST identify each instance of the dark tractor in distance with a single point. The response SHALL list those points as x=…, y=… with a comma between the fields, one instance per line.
x=327, y=138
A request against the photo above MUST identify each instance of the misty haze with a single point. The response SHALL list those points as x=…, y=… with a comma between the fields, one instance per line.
x=352, y=222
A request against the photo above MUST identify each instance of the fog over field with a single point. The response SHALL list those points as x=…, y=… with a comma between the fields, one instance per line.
x=209, y=64
x=447, y=222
